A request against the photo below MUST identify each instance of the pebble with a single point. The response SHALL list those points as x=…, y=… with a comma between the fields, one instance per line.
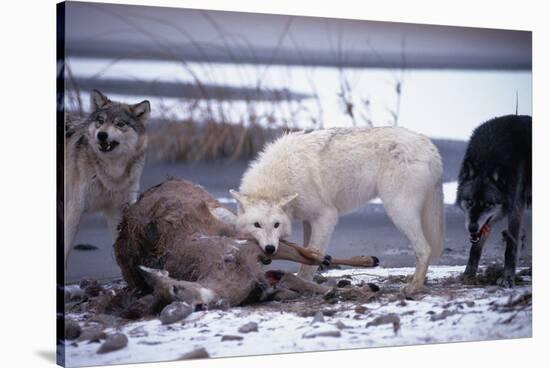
x=232, y=338
x=360, y=309
x=312, y=335
x=72, y=329
x=113, y=342
x=341, y=325
x=249, y=327
x=106, y=320
x=438, y=317
x=199, y=353
x=92, y=334
x=386, y=319
x=319, y=318
x=343, y=283
x=175, y=312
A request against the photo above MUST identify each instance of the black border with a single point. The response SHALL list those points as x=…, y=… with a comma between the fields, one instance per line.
x=60, y=183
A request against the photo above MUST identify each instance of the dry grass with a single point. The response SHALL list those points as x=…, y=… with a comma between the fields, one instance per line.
x=186, y=141
x=211, y=127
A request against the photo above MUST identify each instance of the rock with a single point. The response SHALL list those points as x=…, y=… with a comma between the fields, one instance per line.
x=360, y=309
x=470, y=303
x=314, y=334
x=138, y=332
x=341, y=325
x=92, y=288
x=343, y=283
x=249, y=327
x=113, y=342
x=387, y=319
x=401, y=303
x=373, y=287
x=72, y=329
x=329, y=312
x=199, y=353
x=92, y=334
x=231, y=338
x=174, y=312
x=107, y=320
x=318, y=318
x=440, y=316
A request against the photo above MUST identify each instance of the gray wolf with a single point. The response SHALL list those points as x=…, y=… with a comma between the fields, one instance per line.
x=494, y=182
x=316, y=177
x=104, y=158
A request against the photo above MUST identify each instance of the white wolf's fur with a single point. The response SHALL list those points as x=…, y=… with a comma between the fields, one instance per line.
x=315, y=177
x=97, y=181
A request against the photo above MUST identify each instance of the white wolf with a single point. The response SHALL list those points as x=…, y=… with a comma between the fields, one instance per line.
x=104, y=158
x=315, y=177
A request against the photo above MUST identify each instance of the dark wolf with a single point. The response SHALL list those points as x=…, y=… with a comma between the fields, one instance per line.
x=495, y=183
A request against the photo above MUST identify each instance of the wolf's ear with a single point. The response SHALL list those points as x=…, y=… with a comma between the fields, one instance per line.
x=242, y=202
x=141, y=111
x=287, y=199
x=98, y=100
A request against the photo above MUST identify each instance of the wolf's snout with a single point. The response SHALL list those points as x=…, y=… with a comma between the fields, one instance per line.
x=269, y=249
x=473, y=228
x=102, y=136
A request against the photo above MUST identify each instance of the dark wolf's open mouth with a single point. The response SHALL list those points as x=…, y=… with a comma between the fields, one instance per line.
x=105, y=146
x=482, y=233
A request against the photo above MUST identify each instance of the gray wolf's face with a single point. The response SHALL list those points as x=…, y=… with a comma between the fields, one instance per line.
x=482, y=203
x=266, y=220
x=116, y=128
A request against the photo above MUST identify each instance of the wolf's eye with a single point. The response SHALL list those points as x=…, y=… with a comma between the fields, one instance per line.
x=120, y=124
x=276, y=225
x=100, y=120
x=488, y=205
x=257, y=224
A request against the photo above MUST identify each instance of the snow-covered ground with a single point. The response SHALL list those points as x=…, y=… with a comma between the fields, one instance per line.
x=447, y=311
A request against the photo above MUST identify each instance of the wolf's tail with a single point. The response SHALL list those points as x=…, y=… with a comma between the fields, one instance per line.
x=433, y=221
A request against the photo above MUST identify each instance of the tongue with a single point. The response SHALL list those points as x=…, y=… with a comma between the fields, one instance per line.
x=485, y=230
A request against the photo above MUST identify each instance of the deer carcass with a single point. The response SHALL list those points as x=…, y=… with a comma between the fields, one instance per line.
x=179, y=243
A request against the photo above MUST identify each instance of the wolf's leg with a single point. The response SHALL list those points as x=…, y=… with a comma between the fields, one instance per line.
x=306, y=227
x=405, y=212
x=321, y=231
x=511, y=237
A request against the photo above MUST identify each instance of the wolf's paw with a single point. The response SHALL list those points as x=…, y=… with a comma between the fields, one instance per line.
x=411, y=290
x=506, y=282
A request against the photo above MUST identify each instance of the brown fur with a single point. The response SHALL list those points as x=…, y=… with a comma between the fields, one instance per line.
x=171, y=228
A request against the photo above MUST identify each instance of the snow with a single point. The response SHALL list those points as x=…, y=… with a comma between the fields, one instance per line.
x=473, y=313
